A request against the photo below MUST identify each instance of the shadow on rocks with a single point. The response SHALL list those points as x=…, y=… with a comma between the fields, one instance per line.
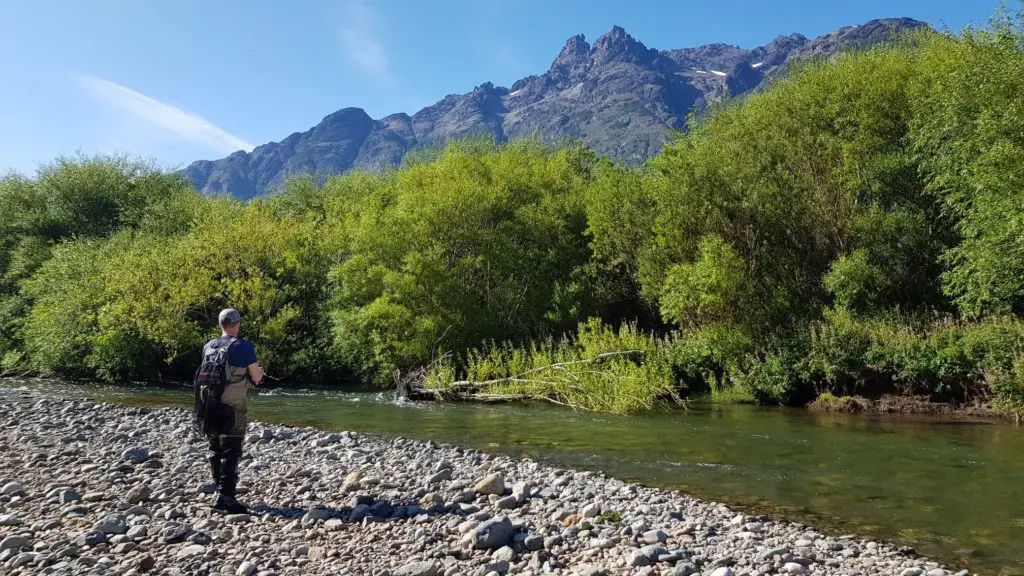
x=364, y=510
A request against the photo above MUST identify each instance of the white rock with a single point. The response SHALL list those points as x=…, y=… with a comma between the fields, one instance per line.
x=591, y=510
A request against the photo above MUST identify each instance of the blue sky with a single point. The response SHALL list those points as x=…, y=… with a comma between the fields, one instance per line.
x=182, y=80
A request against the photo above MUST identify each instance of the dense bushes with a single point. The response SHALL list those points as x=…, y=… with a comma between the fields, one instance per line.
x=855, y=229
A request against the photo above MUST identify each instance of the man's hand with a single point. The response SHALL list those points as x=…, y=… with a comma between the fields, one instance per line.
x=255, y=373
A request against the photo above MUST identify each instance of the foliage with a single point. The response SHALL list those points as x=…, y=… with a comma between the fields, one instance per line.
x=475, y=245
x=968, y=135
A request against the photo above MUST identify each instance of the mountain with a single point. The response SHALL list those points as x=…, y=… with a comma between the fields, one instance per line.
x=617, y=95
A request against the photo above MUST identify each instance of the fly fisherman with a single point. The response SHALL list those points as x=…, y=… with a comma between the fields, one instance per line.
x=228, y=370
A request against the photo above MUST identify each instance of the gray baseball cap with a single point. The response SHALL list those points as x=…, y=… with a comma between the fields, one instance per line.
x=229, y=316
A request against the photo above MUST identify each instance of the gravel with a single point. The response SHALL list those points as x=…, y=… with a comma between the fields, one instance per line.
x=90, y=488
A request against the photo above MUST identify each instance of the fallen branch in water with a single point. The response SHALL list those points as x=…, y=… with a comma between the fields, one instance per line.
x=447, y=395
x=11, y=375
x=520, y=378
x=557, y=383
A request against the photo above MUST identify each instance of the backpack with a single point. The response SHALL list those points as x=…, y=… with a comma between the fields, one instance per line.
x=210, y=415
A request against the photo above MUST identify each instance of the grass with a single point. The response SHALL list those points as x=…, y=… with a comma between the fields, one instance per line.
x=599, y=368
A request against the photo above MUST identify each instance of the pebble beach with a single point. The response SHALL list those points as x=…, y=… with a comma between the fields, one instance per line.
x=88, y=488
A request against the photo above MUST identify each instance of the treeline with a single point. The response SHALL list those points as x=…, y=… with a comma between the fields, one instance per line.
x=857, y=228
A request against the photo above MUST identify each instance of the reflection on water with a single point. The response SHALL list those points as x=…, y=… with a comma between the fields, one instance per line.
x=951, y=489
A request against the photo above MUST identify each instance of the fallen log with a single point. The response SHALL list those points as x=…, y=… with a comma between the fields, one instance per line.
x=557, y=378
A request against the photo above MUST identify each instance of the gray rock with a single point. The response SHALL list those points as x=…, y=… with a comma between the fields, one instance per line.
x=504, y=553
x=191, y=550
x=723, y=571
x=591, y=571
x=507, y=503
x=653, y=551
x=912, y=572
x=138, y=511
x=655, y=537
x=14, y=542
x=768, y=554
x=637, y=558
x=794, y=568
x=491, y=484
x=91, y=538
x=135, y=454
x=113, y=524
x=23, y=559
x=492, y=534
x=12, y=489
x=684, y=568
x=499, y=567
x=440, y=476
x=237, y=518
x=320, y=513
x=68, y=496
x=138, y=494
x=533, y=542
x=10, y=520
x=521, y=490
x=125, y=547
x=137, y=532
x=424, y=568
x=246, y=569
x=174, y=533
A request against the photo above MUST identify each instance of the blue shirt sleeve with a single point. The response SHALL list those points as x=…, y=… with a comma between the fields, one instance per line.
x=241, y=354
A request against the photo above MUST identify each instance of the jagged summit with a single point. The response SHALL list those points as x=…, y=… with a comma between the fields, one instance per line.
x=617, y=95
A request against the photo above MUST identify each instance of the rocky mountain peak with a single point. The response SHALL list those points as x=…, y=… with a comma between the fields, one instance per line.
x=617, y=45
x=576, y=48
x=572, y=62
x=616, y=95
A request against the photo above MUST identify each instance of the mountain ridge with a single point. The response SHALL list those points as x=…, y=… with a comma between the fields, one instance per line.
x=617, y=95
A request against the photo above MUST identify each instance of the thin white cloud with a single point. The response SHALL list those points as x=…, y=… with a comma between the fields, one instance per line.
x=360, y=41
x=185, y=125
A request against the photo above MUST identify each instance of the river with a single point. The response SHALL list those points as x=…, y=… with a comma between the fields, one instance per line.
x=951, y=488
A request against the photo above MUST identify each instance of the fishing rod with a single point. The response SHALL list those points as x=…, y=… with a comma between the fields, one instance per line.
x=275, y=379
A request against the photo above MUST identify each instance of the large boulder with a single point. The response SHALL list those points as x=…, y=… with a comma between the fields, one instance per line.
x=492, y=534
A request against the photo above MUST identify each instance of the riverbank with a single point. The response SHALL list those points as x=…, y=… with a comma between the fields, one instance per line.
x=104, y=489
x=917, y=405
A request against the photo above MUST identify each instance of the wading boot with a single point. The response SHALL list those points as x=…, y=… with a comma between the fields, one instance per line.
x=226, y=489
x=215, y=468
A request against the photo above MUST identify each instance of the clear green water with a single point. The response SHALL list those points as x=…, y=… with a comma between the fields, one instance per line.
x=952, y=489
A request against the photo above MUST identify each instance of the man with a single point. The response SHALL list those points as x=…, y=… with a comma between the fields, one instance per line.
x=242, y=372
